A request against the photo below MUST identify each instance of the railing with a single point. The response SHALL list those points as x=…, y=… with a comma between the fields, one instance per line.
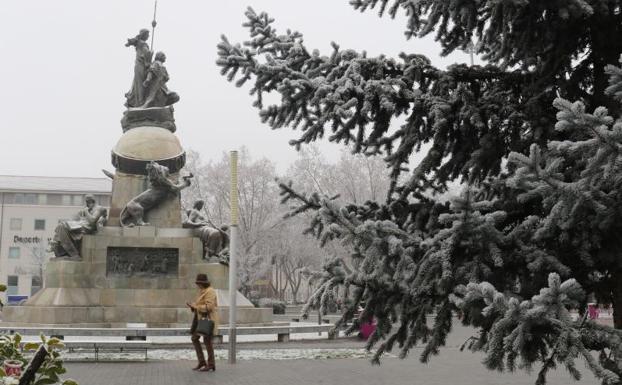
x=281, y=330
x=136, y=337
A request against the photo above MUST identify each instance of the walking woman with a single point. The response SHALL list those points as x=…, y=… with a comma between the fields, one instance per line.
x=204, y=306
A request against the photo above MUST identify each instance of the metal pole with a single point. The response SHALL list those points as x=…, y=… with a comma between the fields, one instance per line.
x=471, y=49
x=233, y=250
x=153, y=23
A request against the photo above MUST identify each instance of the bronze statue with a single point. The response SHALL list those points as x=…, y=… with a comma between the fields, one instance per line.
x=157, y=94
x=160, y=189
x=215, y=240
x=68, y=234
x=136, y=96
x=149, y=101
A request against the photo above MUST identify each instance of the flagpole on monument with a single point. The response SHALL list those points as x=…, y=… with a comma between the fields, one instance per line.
x=153, y=23
x=233, y=251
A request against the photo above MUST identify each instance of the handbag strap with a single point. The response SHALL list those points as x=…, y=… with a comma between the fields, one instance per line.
x=201, y=316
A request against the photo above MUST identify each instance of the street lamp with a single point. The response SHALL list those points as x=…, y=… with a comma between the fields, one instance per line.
x=233, y=250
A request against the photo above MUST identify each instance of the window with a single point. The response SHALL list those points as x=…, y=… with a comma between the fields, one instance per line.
x=9, y=198
x=39, y=224
x=15, y=224
x=18, y=198
x=35, y=285
x=42, y=199
x=14, y=252
x=31, y=199
x=66, y=200
x=12, y=284
x=78, y=200
x=55, y=199
x=25, y=199
x=103, y=200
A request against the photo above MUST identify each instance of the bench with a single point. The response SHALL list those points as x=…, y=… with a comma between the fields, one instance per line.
x=298, y=319
x=283, y=332
x=99, y=346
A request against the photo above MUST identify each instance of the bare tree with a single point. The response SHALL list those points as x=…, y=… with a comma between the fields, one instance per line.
x=356, y=178
x=278, y=281
x=293, y=268
x=259, y=208
x=271, y=248
x=353, y=178
x=38, y=257
x=198, y=189
x=251, y=268
x=291, y=252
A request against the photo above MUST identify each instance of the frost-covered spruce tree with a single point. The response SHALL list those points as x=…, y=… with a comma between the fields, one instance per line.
x=473, y=116
x=577, y=182
x=565, y=44
x=412, y=255
x=519, y=333
x=472, y=260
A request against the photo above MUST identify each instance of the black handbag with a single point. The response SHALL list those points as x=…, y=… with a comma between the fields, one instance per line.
x=203, y=326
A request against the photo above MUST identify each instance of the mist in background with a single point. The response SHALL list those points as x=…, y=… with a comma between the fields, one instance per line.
x=65, y=70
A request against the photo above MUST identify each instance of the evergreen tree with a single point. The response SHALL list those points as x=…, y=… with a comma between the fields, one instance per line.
x=577, y=185
x=514, y=252
x=473, y=116
x=565, y=44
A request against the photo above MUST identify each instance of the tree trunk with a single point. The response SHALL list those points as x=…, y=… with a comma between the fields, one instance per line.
x=605, y=51
x=295, y=293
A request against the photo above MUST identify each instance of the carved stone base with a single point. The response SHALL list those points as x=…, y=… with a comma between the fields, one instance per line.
x=90, y=292
x=73, y=307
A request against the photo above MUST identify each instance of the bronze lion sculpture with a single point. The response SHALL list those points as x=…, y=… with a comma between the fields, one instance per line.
x=160, y=189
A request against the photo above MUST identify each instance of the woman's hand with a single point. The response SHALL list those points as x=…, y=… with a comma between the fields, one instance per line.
x=190, y=306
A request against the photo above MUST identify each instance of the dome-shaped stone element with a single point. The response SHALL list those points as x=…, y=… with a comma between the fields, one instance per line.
x=140, y=145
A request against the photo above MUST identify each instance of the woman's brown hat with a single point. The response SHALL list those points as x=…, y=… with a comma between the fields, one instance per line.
x=201, y=278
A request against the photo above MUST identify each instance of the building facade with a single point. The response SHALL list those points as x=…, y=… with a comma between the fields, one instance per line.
x=30, y=209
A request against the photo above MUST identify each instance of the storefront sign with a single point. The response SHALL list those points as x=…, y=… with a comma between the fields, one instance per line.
x=29, y=240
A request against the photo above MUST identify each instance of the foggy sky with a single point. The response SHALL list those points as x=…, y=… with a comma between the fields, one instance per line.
x=65, y=70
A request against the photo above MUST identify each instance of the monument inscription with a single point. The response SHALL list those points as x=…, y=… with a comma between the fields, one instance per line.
x=142, y=261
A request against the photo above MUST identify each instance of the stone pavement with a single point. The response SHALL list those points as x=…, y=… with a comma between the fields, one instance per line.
x=451, y=367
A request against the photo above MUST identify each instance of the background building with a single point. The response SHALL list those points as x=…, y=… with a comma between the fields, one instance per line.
x=30, y=208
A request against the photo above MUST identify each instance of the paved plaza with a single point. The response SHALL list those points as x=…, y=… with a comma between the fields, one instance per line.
x=451, y=367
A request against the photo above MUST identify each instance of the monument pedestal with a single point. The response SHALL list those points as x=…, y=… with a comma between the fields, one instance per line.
x=130, y=275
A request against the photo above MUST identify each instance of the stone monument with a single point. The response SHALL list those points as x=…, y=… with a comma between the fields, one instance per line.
x=136, y=263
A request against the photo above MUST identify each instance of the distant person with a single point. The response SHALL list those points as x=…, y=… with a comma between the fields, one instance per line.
x=204, y=306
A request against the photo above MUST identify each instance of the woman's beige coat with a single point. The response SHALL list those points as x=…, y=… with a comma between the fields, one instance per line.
x=206, y=304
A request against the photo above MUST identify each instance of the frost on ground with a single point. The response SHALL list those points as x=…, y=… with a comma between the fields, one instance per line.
x=246, y=354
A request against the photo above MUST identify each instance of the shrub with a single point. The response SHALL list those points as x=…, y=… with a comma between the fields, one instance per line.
x=46, y=359
x=278, y=307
